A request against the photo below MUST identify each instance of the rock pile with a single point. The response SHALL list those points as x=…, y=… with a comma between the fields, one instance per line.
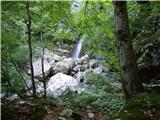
x=63, y=73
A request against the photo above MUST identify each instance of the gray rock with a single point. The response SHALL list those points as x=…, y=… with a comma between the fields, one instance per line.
x=69, y=61
x=66, y=113
x=59, y=83
x=79, y=61
x=93, y=64
x=51, y=57
x=117, y=86
x=82, y=67
x=76, y=68
x=64, y=52
x=69, y=114
x=9, y=96
x=62, y=67
x=58, y=58
x=37, y=66
x=98, y=70
x=85, y=58
x=90, y=115
x=21, y=102
x=79, y=76
x=38, y=84
x=106, y=69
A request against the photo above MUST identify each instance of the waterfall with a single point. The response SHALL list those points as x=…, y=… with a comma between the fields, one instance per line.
x=77, y=49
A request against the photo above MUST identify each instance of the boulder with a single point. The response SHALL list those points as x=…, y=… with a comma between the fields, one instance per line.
x=98, y=70
x=76, y=68
x=39, y=87
x=100, y=58
x=85, y=58
x=86, y=66
x=62, y=67
x=69, y=61
x=69, y=115
x=90, y=115
x=93, y=64
x=49, y=56
x=79, y=61
x=117, y=86
x=37, y=66
x=52, y=58
x=82, y=67
x=106, y=69
x=9, y=96
x=79, y=76
x=64, y=52
x=38, y=84
x=57, y=58
x=60, y=83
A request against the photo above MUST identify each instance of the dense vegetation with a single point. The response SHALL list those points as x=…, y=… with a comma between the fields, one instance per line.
x=125, y=35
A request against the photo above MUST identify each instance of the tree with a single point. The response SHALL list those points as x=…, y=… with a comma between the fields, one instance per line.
x=126, y=54
x=28, y=24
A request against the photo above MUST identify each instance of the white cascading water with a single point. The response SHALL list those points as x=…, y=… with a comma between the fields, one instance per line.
x=77, y=50
x=76, y=54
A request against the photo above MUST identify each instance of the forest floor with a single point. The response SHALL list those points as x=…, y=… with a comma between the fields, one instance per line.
x=29, y=110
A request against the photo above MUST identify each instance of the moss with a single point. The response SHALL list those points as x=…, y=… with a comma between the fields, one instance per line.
x=142, y=107
x=133, y=115
x=144, y=101
x=37, y=112
x=9, y=113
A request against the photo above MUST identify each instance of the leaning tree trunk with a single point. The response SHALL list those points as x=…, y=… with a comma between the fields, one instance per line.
x=44, y=80
x=28, y=24
x=126, y=54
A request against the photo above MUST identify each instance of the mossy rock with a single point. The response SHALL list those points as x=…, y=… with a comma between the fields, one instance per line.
x=133, y=115
x=144, y=101
x=70, y=115
x=9, y=113
x=141, y=107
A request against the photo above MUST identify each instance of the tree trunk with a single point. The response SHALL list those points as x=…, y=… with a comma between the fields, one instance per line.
x=44, y=80
x=126, y=54
x=28, y=24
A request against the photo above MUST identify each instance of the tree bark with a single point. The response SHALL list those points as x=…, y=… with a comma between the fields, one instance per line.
x=28, y=24
x=126, y=54
x=44, y=80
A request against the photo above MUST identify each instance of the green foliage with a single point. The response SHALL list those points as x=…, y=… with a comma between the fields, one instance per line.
x=64, y=35
x=152, y=85
x=108, y=103
x=13, y=77
x=96, y=79
x=143, y=20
